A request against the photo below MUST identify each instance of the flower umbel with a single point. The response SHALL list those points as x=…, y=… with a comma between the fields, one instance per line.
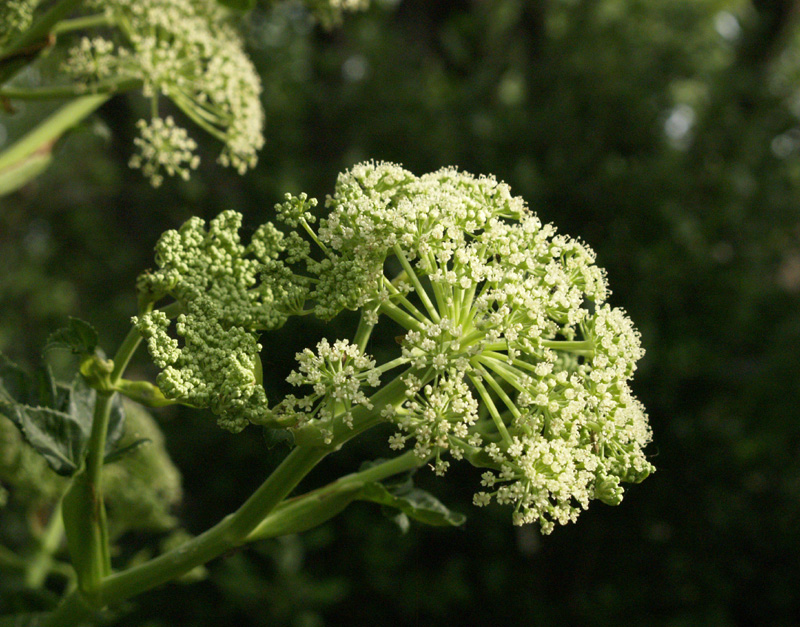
x=510, y=358
x=187, y=51
x=214, y=279
x=519, y=365
x=164, y=147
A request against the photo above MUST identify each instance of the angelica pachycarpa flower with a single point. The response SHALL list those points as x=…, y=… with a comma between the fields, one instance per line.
x=209, y=352
x=514, y=359
x=510, y=356
x=188, y=52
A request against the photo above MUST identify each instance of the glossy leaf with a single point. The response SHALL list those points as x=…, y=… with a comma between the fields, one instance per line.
x=417, y=504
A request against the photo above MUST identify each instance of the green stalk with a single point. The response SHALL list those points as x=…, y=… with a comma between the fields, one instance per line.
x=390, y=394
x=80, y=23
x=496, y=418
x=582, y=347
x=399, y=316
x=412, y=276
x=363, y=332
x=41, y=564
x=30, y=154
x=54, y=92
x=226, y=535
x=314, y=508
x=500, y=392
x=124, y=354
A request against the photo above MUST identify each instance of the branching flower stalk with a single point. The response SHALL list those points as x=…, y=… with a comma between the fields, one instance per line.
x=506, y=356
x=511, y=359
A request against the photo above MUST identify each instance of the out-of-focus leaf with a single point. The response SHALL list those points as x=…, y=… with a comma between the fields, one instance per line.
x=78, y=336
x=54, y=419
x=121, y=452
x=27, y=169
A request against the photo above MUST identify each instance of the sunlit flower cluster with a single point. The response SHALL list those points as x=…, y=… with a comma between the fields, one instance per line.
x=164, y=147
x=509, y=356
x=515, y=362
x=338, y=374
x=186, y=51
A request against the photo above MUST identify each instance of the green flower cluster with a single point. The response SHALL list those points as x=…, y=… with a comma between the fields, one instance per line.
x=511, y=359
x=186, y=51
x=214, y=279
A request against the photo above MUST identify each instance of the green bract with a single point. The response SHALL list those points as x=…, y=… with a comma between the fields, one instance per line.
x=510, y=359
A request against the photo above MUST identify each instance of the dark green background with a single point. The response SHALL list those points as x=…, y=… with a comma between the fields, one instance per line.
x=663, y=133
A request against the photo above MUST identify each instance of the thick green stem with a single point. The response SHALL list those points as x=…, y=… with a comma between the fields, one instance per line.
x=97, y=439
x=100, y=554
x=41, y=139
x=231, y=532
x=54, y=92
x=228, y=534
x=363, y=332
x=314, y=508
x=80, y=23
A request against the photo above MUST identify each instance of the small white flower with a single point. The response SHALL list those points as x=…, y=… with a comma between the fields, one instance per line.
x=164, y=148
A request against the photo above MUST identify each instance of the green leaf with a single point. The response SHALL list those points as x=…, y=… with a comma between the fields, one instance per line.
x=16, y=385
x=78, y=337
x=238, y=5
x=414, y=503
x=117, y=454
x=57, y=436
x=55, y=419
x=276, y=437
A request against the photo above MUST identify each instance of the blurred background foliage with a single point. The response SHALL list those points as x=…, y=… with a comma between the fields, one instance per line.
x=665, y=133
